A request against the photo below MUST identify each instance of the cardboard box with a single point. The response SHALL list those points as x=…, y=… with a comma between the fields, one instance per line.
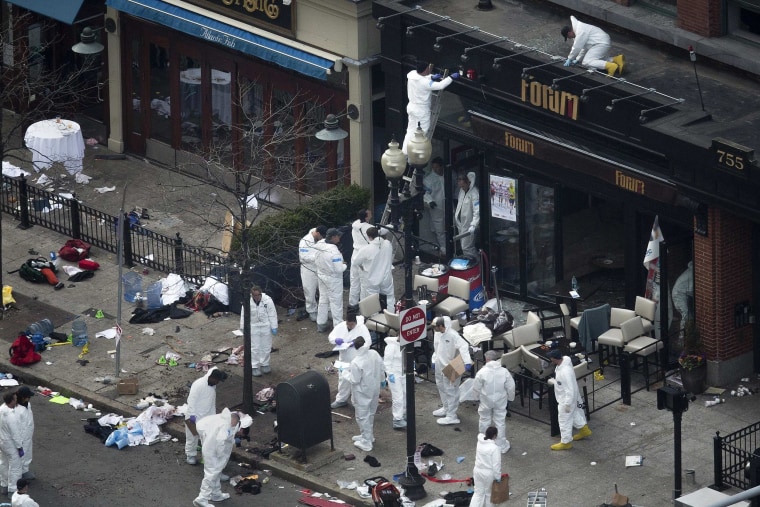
x=454, y=369
x=127, y=386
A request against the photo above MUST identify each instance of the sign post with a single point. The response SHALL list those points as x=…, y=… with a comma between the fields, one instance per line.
x=413, y=325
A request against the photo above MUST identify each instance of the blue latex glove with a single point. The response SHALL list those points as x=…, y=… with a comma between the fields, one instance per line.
x=383, y=384
x=435, y=77
x=455, y=75
x=274, y=330
x=339, y=341
x=468, y=367
x=432, y=366
x=568, y=62
x=20, y=452
x=191, y=418
x=392, y=378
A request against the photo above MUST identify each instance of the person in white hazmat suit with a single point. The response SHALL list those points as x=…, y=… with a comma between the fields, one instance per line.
x=447, y=343
x=367, y=376
x=467, y=213
x=201, y=402
x=434, y=196
x=569, y=402
x=263, y=326
x=495, y=387
x=330, y=268
x=307, y=256
x=217, y=434
x=487, y=469
x=343, y=336
x=21, y=497
x=11, y=443
x=360, y=239
x=591, y=45
x=394, y=371
x=26, y=419
x=376, y=260
x=420, y=85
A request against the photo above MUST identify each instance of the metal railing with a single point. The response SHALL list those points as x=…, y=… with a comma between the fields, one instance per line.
x=31, y=206
x=731, y=453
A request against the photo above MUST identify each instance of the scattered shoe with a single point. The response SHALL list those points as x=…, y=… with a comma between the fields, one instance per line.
x=266, y=369
x=303, y=314
x=338, y=404
x=561, y=447
x=372, y=461
x=611, y=68
x=256, y=372
x=619, y=60
x=399, y=424
x=220, y=497
x=439, y=412
x=222, y=477
x=191, y=460
x=363, y=445
x=29, y=476
x=59, y=286
x=582, y=433
x=201, y=502
x=446, y=421
x=356, y=438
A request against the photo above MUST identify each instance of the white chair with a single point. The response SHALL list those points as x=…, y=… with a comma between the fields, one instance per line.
x=527, y=335
x=509, y=339
x=613, y=337
x=646, y=309
x=458, y=300
x=512, y=361
x=639, y=344
x=539, y=370
x=591, y=324
x=372, y=312
x=392, y=320
x=430, y=284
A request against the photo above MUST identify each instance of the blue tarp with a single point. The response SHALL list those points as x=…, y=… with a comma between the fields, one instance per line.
x=215, y=31
x=64, y=11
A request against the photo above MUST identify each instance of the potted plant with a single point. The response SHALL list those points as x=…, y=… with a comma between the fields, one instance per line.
x=692, y=360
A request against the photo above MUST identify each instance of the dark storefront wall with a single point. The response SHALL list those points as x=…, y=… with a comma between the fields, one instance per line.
x=231, y=89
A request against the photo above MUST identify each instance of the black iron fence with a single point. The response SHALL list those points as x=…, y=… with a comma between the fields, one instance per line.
x=31, y=206
x=732, y=454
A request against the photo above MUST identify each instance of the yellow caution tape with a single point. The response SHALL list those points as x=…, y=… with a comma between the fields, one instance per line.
x=85, y=350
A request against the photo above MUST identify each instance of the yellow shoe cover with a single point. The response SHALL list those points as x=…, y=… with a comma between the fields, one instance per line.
x=619, y=60
x=611, y=68
x=582, y=433
x=561, y=447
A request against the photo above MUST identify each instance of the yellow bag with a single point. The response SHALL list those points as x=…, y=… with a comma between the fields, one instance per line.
x=8, y=295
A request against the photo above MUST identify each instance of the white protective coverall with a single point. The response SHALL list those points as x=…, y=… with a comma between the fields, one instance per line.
x=487, y=469
x=26, y=419
x=419, y=90
x=495, y=387
x=218, y=438
x=347, y=353
x=376, y=260
x=467, y=216
x=330, y=268
x=366, y=374
x=307, y=256
x=434, y=193
x=11, y=440
x=683, y=289
x=446, y=345
x=590, y=46
x=22, y=500
x=569, y=401
x=201, y=402
x=263, y=321
x=393, y=361
x=357, y=282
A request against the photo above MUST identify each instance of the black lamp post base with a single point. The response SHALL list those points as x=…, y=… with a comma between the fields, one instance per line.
x=413, y=485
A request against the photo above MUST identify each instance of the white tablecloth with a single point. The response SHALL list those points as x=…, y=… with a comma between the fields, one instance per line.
x=52, y=141
x=221, y=97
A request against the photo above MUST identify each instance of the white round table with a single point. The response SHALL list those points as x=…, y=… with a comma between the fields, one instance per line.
x=221, y=98
x=55, y=141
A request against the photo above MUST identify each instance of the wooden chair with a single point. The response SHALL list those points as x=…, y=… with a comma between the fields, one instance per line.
x=458, y=300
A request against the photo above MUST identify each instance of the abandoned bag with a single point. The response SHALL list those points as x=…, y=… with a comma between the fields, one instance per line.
x=30, y=270
x=249, y=485
x=386, y=494
x=500, y=490
x=74, y=250
x=22, y=351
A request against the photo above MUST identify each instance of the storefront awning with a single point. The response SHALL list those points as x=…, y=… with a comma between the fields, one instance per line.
x=64, y=12
x=209, y=29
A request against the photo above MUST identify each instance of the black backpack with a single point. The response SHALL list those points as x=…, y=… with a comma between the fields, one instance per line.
x=30, y=270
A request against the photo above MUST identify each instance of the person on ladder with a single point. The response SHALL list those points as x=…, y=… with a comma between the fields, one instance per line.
x=420, y=86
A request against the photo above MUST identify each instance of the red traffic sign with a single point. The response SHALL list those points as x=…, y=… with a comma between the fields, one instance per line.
x=413, y=325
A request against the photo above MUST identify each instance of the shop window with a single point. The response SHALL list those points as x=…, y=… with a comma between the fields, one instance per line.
x=505, y=234
x=540, y=236
x=134, y=118
x=190, y=95
x=160, y=102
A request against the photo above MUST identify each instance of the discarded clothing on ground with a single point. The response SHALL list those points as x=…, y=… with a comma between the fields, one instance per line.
x=143, y=316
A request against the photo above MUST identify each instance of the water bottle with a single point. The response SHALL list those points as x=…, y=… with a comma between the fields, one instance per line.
x=53, y=256
x=574, y=283
x=43, y=327
x=79, y=332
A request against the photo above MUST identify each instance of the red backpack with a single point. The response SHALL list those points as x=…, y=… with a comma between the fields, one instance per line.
x=22, y=351
x=74, y=250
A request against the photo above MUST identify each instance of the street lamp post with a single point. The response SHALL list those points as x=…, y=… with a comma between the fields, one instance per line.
x=394, y=163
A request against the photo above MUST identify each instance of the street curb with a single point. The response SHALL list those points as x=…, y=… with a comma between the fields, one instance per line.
x=177, y=430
